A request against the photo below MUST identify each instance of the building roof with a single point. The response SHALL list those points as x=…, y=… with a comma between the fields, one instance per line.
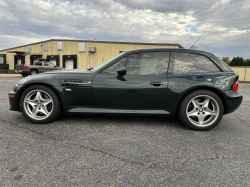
x=72, y=40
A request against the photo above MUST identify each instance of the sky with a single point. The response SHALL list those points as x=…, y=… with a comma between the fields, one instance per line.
x=226, y=22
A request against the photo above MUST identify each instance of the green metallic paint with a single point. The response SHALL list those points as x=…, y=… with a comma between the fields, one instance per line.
x=131, y=94
x=77, y=110
x=128, y=91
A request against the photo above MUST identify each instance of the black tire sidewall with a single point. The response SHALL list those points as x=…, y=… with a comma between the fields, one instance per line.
x=185, y=101
x=56, y=109
x=33, y=71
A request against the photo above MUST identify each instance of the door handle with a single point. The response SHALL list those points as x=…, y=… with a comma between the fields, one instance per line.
x=156, y=83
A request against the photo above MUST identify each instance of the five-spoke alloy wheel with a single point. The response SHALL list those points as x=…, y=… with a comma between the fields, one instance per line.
x=40, y=104
x=201, y=110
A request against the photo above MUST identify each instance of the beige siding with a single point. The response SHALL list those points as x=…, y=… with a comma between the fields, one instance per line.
x=244, y=73
x=241, y=72
x=247, y=74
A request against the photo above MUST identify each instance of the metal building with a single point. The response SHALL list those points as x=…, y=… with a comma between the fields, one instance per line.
x=70, y=54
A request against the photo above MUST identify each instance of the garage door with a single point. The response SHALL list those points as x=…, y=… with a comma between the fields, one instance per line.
x=69, y=64
x=19, y=61
x=53, y=61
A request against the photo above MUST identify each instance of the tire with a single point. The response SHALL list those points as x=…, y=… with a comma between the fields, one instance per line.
x=40, y=104
x=201, y=110
x=32, y=72
x=24, y=75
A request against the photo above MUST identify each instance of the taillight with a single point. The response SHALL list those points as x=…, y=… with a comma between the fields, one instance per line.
x=235, y=87
x=24, y=67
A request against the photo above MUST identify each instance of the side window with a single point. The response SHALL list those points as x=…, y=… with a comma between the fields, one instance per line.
x=45, y=64
x=38, y=63
x=115, y=66
x=51, y=64
x=187, y=63
x=148, y=63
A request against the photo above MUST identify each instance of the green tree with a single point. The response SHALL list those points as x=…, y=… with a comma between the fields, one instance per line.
x=247, y=62
x=237, y=61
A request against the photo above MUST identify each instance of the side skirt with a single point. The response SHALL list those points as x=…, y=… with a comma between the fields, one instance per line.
x=83, y=110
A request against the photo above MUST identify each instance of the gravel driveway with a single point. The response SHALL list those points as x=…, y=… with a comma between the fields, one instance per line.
x=122, y=151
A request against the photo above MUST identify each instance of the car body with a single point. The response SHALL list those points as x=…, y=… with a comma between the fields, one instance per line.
x=159, y=82
x=38, y=67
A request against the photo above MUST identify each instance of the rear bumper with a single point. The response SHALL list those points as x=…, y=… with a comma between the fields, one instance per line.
x=233, y=101
x=21, y=71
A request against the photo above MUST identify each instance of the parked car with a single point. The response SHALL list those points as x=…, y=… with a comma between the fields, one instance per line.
x=195, y=85
x=38, y=67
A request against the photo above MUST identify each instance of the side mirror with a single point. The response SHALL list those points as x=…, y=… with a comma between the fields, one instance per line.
x=122, y=71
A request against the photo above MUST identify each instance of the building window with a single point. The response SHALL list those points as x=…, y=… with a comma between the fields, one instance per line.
x=45, y=47
x=82, y=47
x=1, y=60
x=29, y=49
x=59, y=46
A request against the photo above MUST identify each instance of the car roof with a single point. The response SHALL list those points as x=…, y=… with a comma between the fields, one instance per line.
x=168, y=49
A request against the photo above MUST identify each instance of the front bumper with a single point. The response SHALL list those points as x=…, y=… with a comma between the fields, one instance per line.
x=233, y=101
x=13, y=100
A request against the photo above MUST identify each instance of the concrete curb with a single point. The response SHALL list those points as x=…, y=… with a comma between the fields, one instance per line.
x=10, y=75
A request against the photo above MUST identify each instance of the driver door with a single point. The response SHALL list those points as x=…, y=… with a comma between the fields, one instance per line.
x=143, y=87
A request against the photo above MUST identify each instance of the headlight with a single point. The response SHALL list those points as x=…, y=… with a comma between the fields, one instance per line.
x=15, y=87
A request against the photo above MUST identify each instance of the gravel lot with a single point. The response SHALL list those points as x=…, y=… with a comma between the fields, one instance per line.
x=122, y=151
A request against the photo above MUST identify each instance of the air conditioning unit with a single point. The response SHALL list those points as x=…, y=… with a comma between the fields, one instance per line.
x=92, y=49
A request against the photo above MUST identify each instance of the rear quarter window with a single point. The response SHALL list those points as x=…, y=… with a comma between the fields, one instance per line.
x=188, y=63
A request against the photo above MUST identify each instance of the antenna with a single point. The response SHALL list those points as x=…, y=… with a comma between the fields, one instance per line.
x=198, y=40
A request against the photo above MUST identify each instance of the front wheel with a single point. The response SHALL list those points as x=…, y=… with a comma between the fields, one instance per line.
x=201, y=110
x=40, y=104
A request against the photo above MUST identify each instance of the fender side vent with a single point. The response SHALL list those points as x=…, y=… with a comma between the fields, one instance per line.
x=75, y=82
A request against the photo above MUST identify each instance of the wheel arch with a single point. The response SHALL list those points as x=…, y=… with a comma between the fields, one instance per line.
x=43, y=84
x=216, y=91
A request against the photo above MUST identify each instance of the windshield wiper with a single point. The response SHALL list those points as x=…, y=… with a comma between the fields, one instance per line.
x=90, y=68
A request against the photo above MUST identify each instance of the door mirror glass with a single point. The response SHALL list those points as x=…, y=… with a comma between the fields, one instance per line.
x=122, y=71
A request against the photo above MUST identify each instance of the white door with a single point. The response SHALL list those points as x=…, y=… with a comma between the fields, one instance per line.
x=19, y=61
x=69, y=64
x=53, y=61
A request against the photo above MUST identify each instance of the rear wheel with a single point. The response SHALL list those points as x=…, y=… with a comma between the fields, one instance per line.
x=201, y=110
x=32, y=72
x=24, y=75
x=40, y=104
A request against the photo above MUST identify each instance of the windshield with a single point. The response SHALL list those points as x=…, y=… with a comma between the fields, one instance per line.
x=105, y=63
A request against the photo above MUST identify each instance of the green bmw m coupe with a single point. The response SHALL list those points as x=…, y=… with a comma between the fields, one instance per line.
x=195, y=85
